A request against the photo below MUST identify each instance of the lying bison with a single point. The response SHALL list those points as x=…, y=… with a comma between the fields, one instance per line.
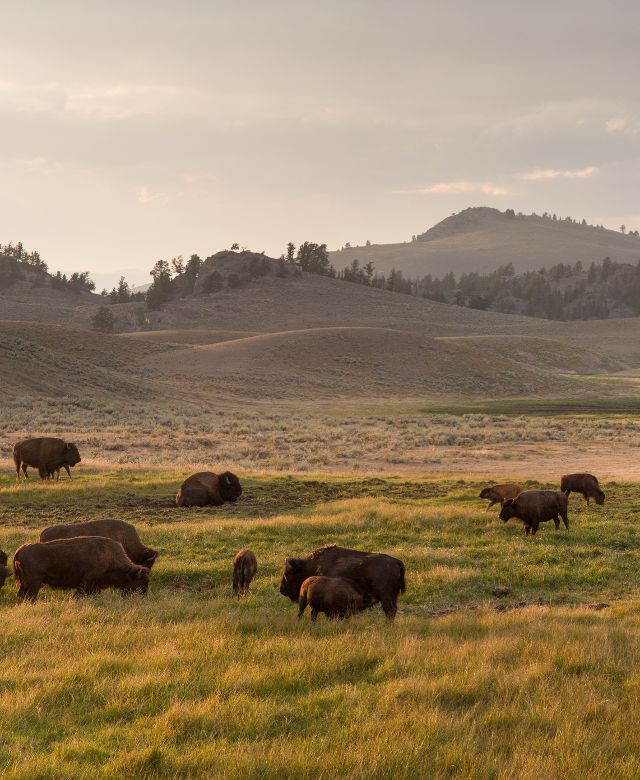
x=533, y=507
x=337, y=597
x=5, y=571
x=245, y=567
x=498, y=494
x=206, y=488
x=377, y=577
x=586, y=484
x=47, y=454
x=118, y=530
x=86, y=563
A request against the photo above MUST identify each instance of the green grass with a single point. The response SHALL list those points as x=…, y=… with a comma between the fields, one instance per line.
x=192, y=683
x=626, y=405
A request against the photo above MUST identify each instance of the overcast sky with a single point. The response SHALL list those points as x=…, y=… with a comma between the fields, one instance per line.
x=136, y=131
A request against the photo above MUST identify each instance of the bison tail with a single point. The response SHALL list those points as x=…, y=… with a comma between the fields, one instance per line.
x=403, y=585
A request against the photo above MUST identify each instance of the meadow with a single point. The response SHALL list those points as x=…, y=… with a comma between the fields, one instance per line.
x=189, y=682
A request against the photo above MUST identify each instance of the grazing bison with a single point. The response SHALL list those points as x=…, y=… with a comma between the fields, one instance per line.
x=533, y=507
x=118, y=530
x=337, y=597
x=245, y=567
x=87, y=563
x=47, y=454
x=498, y=494
x=378, y=577
x=207, y=488
x=586, y=484
x=5, y=571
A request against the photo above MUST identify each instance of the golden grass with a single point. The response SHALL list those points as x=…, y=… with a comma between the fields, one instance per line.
x=192, y=683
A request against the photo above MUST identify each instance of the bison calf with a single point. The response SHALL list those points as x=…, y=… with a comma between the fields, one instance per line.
x=586, y=484
x=86, y=563
x=118, y=530
x=245, y=567
x=498, y=494
x=335, y=596
x=533, y=507
x=207, y=488
x=47, y=454
x=5, y=571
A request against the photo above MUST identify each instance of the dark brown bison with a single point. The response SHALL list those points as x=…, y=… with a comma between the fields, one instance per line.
x=207, y=488
x=337, y=597
x=498, y=494
x=5, y=571
x=533, y=507
x=86, y=563
x=47, y=454
x=586, y=484
x=378, y=577
x=119, y=530
x=245, y=567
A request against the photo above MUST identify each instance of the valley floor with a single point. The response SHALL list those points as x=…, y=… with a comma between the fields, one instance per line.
x=190, y=683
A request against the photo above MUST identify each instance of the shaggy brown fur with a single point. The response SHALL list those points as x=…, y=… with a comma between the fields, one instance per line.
x=47, y=454
x=335, y=596
x=207, y=488
x=533, y=507
x=245, y=567
x=379, y=577
x=119, y=530
x=586, y=484
x=498, y=494
x=86, y=563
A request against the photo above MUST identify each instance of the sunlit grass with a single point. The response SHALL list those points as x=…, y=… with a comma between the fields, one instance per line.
x=191, y=682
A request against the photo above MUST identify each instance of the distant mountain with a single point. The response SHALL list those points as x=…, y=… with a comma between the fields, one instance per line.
x=482, y=239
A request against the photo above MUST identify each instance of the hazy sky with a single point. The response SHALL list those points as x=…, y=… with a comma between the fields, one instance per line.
x=131, y=131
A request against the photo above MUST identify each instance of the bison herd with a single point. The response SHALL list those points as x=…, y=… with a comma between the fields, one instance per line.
x=91, y=556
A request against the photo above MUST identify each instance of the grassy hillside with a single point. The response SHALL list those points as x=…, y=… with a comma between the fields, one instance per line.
x=482, y=239
x=189, y=682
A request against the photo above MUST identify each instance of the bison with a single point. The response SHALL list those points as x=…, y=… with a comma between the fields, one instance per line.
x=87, y=563
x=207, y=488
x=5, y=571
x=498, y=494
x=245, y=567
x=118, y=530
x=533, y=507
x=47, y=454
x=378, y=577
x=586, y=484
x=337, y=597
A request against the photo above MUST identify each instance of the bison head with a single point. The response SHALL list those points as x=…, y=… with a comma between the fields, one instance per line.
x=292, y=578
x=137, y=581
x=508, y=510
x=149, y=558
x=486, y=492
x=71, y=454
x=599, y=497
x=230, y=489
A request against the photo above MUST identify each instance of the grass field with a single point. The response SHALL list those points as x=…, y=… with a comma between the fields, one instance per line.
x=188, y=682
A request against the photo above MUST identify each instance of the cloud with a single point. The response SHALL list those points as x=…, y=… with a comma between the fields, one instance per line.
x=546, y=174
x=461, y=187
x=146, y=196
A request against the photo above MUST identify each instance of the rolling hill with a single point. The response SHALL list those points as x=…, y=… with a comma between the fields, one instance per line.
x=482, y=239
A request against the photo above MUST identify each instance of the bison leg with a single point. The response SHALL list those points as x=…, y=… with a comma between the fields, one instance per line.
x=490, y=505
x=302, y=602
x=24, y=471
x=565, y=519
x=556, y=522
x=29, y=592
x=534, y=529
x=527, y=530
x=314, y=615
x=389, y=605
x=586, y=495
